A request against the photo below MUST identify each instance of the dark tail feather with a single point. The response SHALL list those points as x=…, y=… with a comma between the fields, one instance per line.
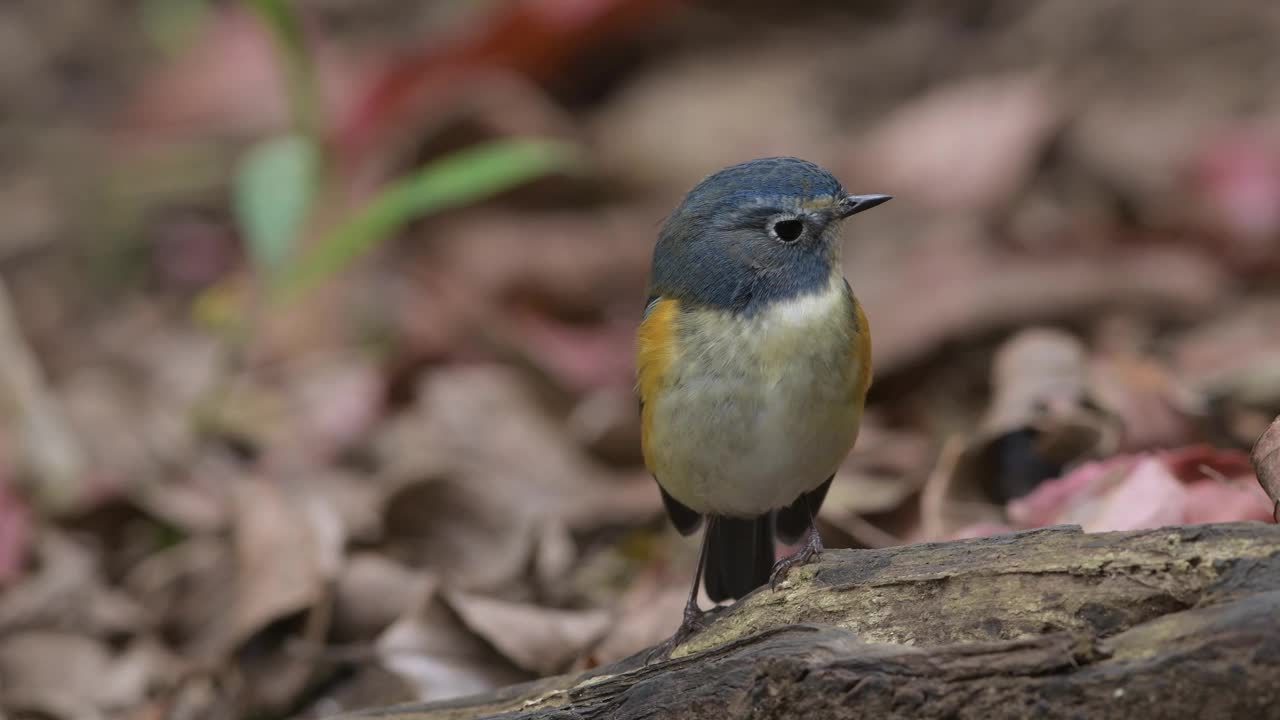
x=739, y=556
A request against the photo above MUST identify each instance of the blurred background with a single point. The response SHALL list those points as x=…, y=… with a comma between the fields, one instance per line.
x=316, y=317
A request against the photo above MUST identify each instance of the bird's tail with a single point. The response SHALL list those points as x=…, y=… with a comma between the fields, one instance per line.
x=739, y=556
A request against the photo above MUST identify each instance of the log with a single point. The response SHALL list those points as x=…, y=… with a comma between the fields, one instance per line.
x=1180, y=622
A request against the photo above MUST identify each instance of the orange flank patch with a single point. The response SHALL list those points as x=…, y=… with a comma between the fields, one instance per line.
x=655, y=354
x=863, y=352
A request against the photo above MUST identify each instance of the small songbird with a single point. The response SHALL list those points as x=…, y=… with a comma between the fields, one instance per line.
x=753, y=362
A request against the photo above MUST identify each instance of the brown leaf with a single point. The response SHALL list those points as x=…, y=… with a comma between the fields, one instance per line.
x=430, y=648
x=67, y=591
x=71, y=676
x=541, y=640
x=186, y=590
x=372, y=592
x=976, y=288
x=887, y=467
x=288, y=546
x=280, y=558
x=966, y=146
x=953, y=496
x=1041, y=418
x=469, y=535
x=649, y=612
x=479, y=467
x=692, y=94
x=15, y=529
x=1266, y=462
x=1235, y=355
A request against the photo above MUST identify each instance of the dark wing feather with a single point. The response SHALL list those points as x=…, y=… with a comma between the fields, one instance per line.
x=794, y=519
x=683, y=518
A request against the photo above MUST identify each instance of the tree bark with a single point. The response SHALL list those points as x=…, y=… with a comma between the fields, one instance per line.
x=1180, y=622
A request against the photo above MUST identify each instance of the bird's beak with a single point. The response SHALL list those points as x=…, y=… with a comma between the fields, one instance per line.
x=854, y=204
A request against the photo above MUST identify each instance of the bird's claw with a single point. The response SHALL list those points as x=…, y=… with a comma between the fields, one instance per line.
x=812, y=550
x=693, y=622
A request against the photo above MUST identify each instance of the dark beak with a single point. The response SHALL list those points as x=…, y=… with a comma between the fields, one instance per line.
x=854, y=204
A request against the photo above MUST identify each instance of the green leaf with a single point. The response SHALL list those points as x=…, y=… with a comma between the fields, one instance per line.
x=271, y=194
x=458, y=179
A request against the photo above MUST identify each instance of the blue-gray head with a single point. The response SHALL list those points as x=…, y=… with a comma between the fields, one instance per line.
x=753, y=233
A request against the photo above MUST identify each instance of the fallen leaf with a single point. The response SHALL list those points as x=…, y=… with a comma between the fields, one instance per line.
x=1235, y=183
x=278, y=558
x=72, y=676
x=1235, y=355
x=1187, y=485
x=468, y=535
x=952, y=497
x=1266, y=462
x=1042, y=417
x=15, y=529
x=966, y=146
x=372, y=592
x=977, y=288
x=1147, y=496
x=431, y=649
x=186, y=591
x=288, y=547
x=541, y=640
x=654, y=134
x=478, y=467
x=888, y=466
x=649, y=612
x=66, y=591
x=553, y=558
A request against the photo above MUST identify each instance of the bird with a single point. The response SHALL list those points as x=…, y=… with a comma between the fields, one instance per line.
x=753, y=361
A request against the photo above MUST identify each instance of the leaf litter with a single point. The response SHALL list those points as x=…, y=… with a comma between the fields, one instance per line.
x=423, y=479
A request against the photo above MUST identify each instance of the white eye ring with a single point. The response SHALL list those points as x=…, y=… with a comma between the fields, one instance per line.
x=787, y=228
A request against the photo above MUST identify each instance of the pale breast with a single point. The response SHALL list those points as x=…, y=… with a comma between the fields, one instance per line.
x=760, y=409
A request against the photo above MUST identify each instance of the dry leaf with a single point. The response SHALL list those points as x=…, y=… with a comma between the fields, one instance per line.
x=1235, y=355
x=71, y=676
x=278, y=558
x=67, y=591
x=966, y=146
x=372, y=592
x=186, y=590
x=480, y=468
x=1266, y=462
x=541, y=640
x=655, y=132
x=431, y=649
x=1127, y=492
x=288, y=549
x=648, y=613
x=15, y=530
x=975, y=288
x=1041, y=418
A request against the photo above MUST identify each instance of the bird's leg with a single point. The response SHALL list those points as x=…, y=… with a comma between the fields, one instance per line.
x=693, y=619
x=812, y=548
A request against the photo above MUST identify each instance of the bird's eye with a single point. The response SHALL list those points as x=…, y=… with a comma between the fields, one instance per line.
x=788, y=230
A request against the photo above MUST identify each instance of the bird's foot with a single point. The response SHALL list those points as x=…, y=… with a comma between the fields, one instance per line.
x=811, y=550
x=693, y=622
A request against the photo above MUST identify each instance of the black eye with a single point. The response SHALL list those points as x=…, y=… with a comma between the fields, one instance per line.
x=788, y=230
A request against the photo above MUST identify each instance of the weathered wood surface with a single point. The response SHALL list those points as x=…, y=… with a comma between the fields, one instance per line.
x=1173, y=623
